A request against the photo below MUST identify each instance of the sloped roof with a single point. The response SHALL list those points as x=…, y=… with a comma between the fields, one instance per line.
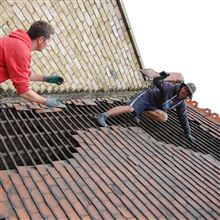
x=56, y=170
x=117, y=173
x=31, y=132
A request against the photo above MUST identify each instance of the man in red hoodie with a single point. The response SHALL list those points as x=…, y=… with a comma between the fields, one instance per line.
x=15, y=61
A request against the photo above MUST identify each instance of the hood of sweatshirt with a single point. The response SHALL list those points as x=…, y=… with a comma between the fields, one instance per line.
x=22, y=35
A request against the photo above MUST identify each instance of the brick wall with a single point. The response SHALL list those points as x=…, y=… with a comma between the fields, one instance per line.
x=91, y=47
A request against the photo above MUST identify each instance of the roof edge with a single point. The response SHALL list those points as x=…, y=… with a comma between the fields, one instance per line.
x=206, y=112
x=130, y=32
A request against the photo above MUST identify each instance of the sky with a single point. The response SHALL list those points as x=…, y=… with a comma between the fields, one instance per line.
x=181, y=36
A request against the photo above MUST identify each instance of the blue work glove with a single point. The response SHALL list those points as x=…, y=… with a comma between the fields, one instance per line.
x=191, y=138
x=53, y=79
x=54, y=102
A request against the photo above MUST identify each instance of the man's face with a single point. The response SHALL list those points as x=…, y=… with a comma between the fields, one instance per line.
x=43, y=42
x=184, y=92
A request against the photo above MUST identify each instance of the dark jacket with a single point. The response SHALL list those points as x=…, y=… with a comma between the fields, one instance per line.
x=165, y=98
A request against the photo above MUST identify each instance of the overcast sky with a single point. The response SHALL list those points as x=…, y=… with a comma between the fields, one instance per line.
x=181, y=36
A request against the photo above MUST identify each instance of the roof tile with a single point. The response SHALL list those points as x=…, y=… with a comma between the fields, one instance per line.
x=22, y=213
x=45, y=210
x=31, y=207
x=206, y=112
x=46, y=110
x=7, y=210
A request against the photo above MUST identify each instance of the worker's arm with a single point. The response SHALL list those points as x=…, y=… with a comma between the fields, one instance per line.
x=49, y=79
x=50, y=102
x=33, y=97
x=36, y=76
x=183, y=118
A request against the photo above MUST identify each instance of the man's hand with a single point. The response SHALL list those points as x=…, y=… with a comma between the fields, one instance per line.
x=53, y=79
x=54, y=102
x=191, y=138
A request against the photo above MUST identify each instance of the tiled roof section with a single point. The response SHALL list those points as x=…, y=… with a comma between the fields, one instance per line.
x=206, y=132
x=118, y=173
x=26, y=106
x=205, y=112
x=30, y=138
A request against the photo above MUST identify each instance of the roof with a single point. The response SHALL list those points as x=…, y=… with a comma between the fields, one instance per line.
x=117, y=173
x=121, y=172
x=205, y=112
x=28, y=124
x=58, y=163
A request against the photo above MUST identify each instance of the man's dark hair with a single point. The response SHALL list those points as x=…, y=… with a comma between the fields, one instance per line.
x=39, y=29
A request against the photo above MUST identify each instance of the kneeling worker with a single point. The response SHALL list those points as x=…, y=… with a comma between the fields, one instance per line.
x=155, y=102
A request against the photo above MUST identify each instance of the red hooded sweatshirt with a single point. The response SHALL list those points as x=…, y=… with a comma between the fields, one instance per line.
x=15, y=60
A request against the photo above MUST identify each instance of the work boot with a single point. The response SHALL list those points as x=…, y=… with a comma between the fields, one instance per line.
x=136, y=119
x=101, y=118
